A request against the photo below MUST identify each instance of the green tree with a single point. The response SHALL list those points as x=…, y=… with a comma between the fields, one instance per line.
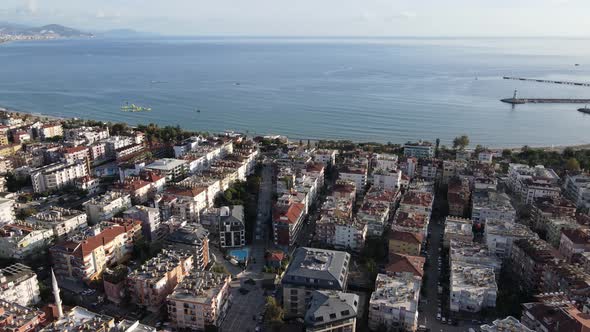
x=572, y=165
x=274, y=312
x=506, y=153
x=436, y=148
x=461, y=142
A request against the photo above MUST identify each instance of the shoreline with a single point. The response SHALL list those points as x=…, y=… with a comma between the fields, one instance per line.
x=556, y=148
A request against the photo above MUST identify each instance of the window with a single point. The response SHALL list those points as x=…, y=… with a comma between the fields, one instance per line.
x=293, y=292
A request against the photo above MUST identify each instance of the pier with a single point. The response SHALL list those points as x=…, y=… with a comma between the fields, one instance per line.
x=516, y=101
x=546, y=81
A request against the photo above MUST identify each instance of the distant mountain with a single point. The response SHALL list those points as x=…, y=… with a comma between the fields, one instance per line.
x=123, y=33
x=55, y=30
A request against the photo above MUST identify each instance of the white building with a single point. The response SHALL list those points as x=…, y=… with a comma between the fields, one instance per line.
x=18, y=284
x=168, y=167
x=62, y=221
x=341, y=233
x=232, y=231
x=489, y=204
x=394, y=303
x=485, y=156
x=419, y=149
x=326, y=157
x=19, y=240
x=457, y=228
x=387, y=179
x=500, y=235
x=149, y=217
x=6, y=210
x=357, y=175
x=531, y=183
x=56, y=176
x=106, y=206
x=386, y=161
x=472, y=287
x=505, y=325
x=577, y=189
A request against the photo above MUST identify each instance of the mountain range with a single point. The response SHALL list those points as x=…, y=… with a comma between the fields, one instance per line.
x=46, y=30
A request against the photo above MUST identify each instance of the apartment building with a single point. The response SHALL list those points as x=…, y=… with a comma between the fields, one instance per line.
x=106, y=206
x=577, y=189
x=19, y=318
x=172, y=169
x=149, y=217
x=531, y=183
x=6, y=210
x=529, y=259
x=399, y=264
x=341, y=233
x=499, y=236
x=19, y=240
x=459, y=229
x=419, y=149
x=191, y=238
x=472, y=287
x=85, y=256
x=394, y=303
x=574, y=242
x=332, y=311
x=287, y=221
x=545, y=208
x=490, y=204
x=200, y=301
x=555, y=226
x=405, y=243
x=56, y=176
x=458, y=196
x=312, y=269
x=156, y=279
x=61, y=221
x=18, y=284
x=507, y=324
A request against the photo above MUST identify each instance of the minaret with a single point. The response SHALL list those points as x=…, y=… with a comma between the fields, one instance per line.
x=60, y=312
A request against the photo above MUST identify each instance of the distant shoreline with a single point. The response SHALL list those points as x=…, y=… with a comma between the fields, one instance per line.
x=556, y=148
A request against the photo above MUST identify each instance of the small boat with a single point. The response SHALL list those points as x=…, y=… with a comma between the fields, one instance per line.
x=237, y=83
x=577, y=65
x=198, y=111
x=584, y=110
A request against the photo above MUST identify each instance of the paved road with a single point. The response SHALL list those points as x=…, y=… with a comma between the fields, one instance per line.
x=244, y=307
x=428, y=316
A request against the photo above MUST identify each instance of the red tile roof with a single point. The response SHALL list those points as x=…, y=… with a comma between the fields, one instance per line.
x=75, y=149
x=186, y=192
x=399, y=263
x=289, y=215
x=406, y=237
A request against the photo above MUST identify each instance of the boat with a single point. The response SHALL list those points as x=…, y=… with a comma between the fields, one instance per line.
x=198, y=111
x=134, y=108
x=577, y=65
x=585, y=109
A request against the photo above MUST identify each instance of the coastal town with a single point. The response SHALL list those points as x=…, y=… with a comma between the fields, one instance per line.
x=116, y=228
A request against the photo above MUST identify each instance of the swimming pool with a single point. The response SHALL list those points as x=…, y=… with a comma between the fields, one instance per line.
x=241, y=255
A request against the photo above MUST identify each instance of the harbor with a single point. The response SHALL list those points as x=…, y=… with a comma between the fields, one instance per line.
x=518, y=101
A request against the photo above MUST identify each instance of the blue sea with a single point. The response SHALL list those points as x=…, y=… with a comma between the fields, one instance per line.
x=362, y=89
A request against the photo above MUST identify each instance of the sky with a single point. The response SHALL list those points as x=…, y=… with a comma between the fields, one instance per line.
x=311, y=17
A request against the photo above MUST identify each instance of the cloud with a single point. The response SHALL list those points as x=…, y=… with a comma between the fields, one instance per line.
x=102, y=14
x=31, y=6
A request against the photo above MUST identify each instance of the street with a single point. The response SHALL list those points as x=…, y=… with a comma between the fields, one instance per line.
x=430, y=309
x=246, y=308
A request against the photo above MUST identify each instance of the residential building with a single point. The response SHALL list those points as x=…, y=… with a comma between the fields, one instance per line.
x=341, y=233
x=156, y=279
x=419, y=149
x=412, y=222
x=172, y=169
x=375, y=215
x=149, y=217
x=387, y=179
x=231, y=227
x=459, y=229
x=356, y=174
x=312, y=269
x=545, y=208
x=50, y=130
x=503, y=325
x=191, y=238
x=61, y=221
x=529, y=259
x=555, y=226
x=490, y=204
x=394, y=303
x=574, y=242
x=475, y=254
x=6, y=210
x=403, y=264
x=332, y=311
x=18, y=284
x=554, y=313
x=85, y=256
x=19, y=240
x=577, y=189
x=326, y=157
x=287, y=221
x=19, y=318
x=485, y=156
x=200, y=301
x=472, y=287
x=80, y=319
x=458, y=196
x=531, y=183
x=499, y=236
x=405, y=243
x=571, y=280
x=106, y=206
x=88, y=184
x=56, y=176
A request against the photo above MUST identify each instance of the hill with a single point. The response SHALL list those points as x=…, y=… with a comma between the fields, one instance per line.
x=54, y=30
